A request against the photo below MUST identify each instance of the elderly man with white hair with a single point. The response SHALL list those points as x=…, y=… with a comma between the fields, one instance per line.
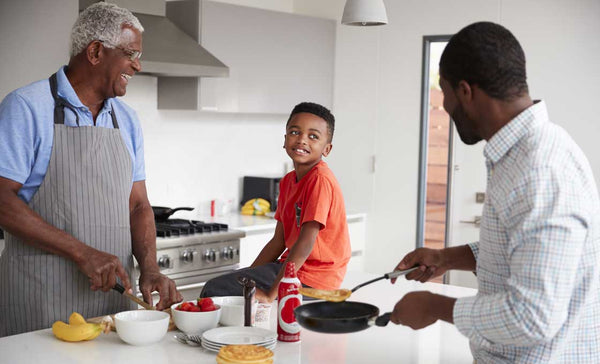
x=73, y=199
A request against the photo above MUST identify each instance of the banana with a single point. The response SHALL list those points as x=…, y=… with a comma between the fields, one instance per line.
x=78, y=329
x=76, y=319
x=73, y=333
x=256, y=206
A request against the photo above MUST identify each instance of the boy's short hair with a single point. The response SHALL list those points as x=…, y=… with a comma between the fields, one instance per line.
x=318, y=110
x=489, y=56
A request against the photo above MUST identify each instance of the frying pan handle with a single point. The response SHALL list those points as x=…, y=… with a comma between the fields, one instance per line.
x=383, y=319
x=398, y=273
x=181, y=208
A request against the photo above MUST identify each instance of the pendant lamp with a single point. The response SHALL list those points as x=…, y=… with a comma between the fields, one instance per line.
x=364, y=13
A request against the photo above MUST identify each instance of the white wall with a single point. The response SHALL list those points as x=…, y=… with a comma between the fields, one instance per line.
x=33, y=41
x=193, y=157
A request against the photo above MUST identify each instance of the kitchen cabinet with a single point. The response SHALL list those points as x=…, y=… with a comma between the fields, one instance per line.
x=276, y=60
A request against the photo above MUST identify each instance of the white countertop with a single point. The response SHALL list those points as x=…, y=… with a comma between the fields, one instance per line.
x=257, y=224
x=438, y=343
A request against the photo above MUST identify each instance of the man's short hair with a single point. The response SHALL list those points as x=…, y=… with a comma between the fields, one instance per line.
x=489, y=56
x=101, y=21
x=318, y=110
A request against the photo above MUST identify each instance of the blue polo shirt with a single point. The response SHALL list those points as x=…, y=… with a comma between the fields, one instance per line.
x=27, y=131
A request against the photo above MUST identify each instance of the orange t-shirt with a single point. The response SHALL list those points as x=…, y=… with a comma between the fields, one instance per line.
x=316, y=197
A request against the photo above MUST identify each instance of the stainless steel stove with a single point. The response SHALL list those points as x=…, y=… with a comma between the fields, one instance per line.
x=191, y=252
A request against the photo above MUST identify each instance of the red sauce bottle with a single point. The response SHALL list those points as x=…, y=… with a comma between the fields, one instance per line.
x=288, y=329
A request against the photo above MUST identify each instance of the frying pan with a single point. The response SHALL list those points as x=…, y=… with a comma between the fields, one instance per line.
x=163, y=213
x=339, y=317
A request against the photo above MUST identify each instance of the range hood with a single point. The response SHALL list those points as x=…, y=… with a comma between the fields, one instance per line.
x=168, y=51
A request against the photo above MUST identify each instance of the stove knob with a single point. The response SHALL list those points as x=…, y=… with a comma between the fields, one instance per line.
x=231, y=252
x=165, y=262
x=225, y=253
x=187, y=256
x=210, y=255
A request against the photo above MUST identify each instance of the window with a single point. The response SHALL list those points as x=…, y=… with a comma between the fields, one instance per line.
x=436, y=142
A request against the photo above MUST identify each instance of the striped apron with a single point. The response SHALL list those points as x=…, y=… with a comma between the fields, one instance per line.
x=85, y=192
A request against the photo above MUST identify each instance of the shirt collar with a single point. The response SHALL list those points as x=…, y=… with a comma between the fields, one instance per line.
x=505, y=138
x=66, y=91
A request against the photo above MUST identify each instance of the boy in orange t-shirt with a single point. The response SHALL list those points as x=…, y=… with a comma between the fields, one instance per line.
x=311, y=226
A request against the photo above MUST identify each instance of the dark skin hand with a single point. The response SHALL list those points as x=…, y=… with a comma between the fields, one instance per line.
x=421, y=309
x=435, y=262
x=298, y=254
x=143, y=240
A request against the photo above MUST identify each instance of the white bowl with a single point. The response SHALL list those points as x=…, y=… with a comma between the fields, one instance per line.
x=233, y=310
x=141, y=327
x=195, y=323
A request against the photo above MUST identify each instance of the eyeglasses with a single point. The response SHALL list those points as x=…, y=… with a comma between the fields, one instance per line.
x=130, y=53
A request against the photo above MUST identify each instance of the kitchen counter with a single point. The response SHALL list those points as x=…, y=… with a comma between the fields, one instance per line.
x=258, y=224
x=438, y=343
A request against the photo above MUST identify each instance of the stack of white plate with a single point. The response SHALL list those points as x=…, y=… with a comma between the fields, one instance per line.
x=214, y=339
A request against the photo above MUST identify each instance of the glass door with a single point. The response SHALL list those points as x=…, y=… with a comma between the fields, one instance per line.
x=435, y=152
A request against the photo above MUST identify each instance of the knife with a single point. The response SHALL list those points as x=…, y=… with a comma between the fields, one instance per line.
x=119, y=288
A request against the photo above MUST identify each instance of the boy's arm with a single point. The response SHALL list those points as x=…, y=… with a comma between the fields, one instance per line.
x=298, y=254
x=273, y=249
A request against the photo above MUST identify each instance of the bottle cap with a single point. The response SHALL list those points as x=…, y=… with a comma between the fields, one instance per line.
x=290, y=270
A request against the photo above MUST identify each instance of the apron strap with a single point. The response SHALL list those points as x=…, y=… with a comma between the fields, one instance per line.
x=60, y=103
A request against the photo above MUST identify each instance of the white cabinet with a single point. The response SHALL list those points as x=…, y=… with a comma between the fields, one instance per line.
x=252, y=244
x=258, y=236
x=275, y=59
x=357, y=229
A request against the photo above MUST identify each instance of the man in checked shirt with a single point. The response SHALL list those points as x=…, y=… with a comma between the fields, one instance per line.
x=537, y=258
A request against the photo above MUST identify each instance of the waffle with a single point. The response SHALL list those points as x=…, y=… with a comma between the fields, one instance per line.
x=244, y=354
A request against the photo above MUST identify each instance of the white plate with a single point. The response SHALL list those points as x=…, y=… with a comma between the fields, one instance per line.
x=268, y=342
x=239, y=335
x=217, y=348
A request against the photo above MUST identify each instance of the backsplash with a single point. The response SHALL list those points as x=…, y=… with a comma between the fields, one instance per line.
x=193, y=157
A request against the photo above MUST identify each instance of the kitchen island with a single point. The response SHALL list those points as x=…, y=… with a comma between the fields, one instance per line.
x=438, y=343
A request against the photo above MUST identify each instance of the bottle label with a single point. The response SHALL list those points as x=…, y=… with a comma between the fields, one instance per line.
x=287, y=319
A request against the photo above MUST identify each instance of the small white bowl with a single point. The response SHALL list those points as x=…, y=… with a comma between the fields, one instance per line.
x=141, y=327
x=195, y=323
x=233, y=310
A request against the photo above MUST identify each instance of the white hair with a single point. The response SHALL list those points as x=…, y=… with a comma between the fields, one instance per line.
x=101, y=21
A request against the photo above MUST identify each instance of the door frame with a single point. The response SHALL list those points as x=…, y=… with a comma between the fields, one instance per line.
x=422, y=186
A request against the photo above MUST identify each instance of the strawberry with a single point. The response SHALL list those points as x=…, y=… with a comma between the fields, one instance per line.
x=207, y=304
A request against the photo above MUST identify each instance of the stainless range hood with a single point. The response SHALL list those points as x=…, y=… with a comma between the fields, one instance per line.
x=168, y=51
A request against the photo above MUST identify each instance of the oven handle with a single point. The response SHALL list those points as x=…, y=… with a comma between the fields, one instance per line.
x=190, y=286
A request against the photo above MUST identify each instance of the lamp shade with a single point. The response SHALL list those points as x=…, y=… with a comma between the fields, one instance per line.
x=364, y=13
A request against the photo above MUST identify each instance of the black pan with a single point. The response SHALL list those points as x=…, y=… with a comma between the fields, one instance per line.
x=163, y=213
x=339, y=317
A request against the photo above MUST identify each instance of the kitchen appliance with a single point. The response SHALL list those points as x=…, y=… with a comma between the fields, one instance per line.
x=261, y=187
x=191, y=252
x=339, y=317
